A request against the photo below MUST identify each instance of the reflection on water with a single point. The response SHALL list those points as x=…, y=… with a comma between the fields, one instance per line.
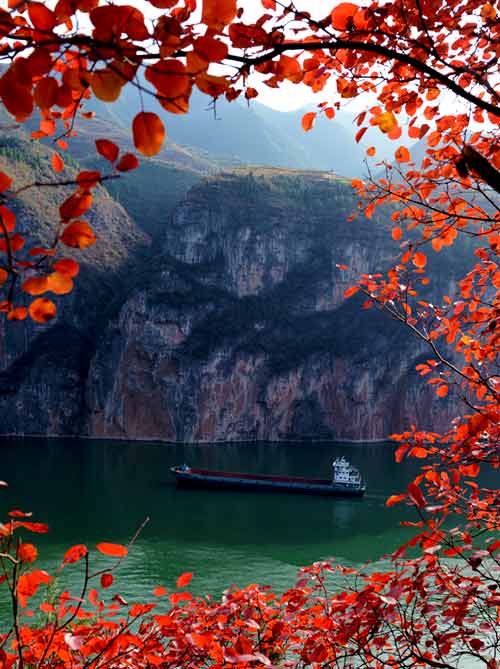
x=342, y=514
x=90, y=491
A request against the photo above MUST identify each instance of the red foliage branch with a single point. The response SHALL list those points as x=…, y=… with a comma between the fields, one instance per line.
x=438, y=603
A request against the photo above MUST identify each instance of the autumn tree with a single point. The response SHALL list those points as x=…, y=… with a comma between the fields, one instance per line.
x=425, y=71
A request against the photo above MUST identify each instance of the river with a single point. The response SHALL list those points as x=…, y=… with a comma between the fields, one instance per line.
x=91, y=491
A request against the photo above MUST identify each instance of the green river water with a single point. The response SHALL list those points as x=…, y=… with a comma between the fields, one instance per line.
x=92, y=491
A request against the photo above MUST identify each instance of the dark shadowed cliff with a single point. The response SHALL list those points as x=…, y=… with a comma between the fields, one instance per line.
x=42, y=368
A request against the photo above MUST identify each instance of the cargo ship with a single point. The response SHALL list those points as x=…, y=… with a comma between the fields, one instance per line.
x=346, y=481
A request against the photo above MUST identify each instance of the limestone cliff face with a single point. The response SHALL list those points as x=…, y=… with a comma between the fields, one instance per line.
x=234, y=328
x=241, y=331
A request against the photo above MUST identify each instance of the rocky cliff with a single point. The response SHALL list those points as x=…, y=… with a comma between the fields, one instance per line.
x=232, y=325
x=241, y=330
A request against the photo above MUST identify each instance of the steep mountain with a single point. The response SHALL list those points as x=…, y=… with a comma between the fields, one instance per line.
x=212, y=309
x=242, y=330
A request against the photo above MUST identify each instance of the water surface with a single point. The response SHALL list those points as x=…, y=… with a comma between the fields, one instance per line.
x=91, y=491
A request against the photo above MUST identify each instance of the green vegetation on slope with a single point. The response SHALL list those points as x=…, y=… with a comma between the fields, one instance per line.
x=151, y=192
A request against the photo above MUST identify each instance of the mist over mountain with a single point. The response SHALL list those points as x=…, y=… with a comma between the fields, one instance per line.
x=240, y=134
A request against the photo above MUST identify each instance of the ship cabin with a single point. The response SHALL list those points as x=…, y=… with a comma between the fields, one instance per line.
x=345, y=474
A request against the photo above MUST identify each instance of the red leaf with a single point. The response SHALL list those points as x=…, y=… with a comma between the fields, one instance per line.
x=442, y=390
x=470, y=470
x=419, y=260
x=385, y=121
x=394, y=499
x=401, y=452
x=141, y=609
x=184, y=579
x=210, y=49
x=416, y=495
x=107, y=580
x=17, y=99
x=59, y=284
x=46, y=92
x=201, y=640
x=41, y=16
x=29, y=583
x=163, y=4
x=159, y=591
x=308, y=121
x=170, y=77
x=88, y=179
x=106, y=84
x=5, y=181
x=342, y=15
x=17, y=314
x=112, y=550
x=35, y=285
x=395, y=133
x=402, y=155
x=75, y=553
x=47, y=608
x=110, y=20
x=149, y=132
x=78, y=235
x=177, y=597
x=418, y=452
x=57, y=162
x=351, y=291
x=66, y=266
x=127, y=162
x=27, y=553
x=41, y=251
x=42, y=310
x=17, y=242
x=494, y=546
x=359, y=135
x=218, y=13
x=211, y=84
x=107, y=149
x=38, y=528
x=75, y=205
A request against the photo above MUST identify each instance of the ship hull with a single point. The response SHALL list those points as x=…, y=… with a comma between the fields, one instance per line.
x=230, y=481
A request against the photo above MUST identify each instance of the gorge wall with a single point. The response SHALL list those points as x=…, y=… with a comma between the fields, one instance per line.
x=234, y=327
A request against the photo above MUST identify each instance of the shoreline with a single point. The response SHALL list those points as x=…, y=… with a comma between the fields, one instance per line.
x=156, y=440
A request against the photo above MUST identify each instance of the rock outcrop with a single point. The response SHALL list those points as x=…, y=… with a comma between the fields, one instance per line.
x=242, y=332
x=231, y=326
